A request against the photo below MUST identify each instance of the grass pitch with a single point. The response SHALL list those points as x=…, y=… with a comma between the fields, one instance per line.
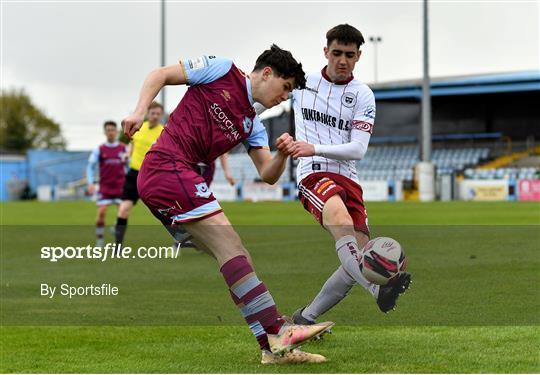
x=474, y=305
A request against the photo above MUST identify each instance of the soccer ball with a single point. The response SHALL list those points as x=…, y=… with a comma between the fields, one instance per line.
x=382, y=259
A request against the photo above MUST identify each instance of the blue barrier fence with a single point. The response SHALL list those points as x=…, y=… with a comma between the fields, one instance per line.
x=13, y=177
x=40, y=167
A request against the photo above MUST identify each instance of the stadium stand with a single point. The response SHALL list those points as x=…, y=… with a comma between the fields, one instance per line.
x=243, y=170
x=502, y=173
x=484, y=126
x=380, y=163
x=13, y=176
x=54, y=174
x=398, y=162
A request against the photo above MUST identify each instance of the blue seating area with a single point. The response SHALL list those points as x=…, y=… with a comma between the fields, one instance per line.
x=449, y=160
x=528, y=173
x=388, y=162
x=436, y=137
x=397, y=162
x=380, y=163
x=243, y=170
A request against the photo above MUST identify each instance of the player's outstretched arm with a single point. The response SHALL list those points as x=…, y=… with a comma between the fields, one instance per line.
x=271, y=168
x=155, y=81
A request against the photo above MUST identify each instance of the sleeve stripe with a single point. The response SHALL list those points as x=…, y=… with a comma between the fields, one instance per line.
x=184, y=71
x=258, y=148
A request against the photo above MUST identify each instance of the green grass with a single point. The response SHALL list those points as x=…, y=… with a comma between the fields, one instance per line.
x=231, y=350
x=289, y=213
x=474, y=305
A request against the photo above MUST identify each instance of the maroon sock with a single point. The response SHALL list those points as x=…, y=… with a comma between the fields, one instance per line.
x=252, y=298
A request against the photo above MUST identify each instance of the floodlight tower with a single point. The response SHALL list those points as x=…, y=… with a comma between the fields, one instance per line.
x=426, y=175
x=163, y=50
x=375, y=40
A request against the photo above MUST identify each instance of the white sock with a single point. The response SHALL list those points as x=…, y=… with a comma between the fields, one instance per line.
x=334, y=290
x=349, y=254
x=100, y=231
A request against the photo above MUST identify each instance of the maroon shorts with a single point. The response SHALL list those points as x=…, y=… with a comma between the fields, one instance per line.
x=174, y=192
x=317, y=188
x=207, y=172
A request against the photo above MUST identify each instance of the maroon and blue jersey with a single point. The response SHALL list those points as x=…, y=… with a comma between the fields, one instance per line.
x=215, y=114
x=112, y=168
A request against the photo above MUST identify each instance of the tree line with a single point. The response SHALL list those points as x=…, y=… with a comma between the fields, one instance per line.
x=23, y=126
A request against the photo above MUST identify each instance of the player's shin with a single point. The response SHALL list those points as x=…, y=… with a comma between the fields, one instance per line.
x=120, y=230
x=333, y=291
x=253, y=299
x=100, y=231
x=349, y=255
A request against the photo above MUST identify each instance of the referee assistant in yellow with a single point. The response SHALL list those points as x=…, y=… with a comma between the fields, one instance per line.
x=139, y=146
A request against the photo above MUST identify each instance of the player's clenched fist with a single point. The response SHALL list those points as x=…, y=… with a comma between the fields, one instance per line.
x=302, y=149
x=285, y=144
x=131, y=124
x=91, y=189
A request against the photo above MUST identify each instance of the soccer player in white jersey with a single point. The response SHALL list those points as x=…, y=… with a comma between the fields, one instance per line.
x=334, y=118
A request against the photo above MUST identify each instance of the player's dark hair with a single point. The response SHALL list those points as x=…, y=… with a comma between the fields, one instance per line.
x=109, y=123
x=345, y=34
x=155, y=104
x=283, y=64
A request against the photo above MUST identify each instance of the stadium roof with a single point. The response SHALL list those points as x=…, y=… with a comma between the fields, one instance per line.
x=463, y=85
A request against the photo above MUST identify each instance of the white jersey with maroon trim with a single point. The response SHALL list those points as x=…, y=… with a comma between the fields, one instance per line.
x=327, y=113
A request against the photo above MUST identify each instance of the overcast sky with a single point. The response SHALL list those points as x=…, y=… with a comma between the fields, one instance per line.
x=83, y=62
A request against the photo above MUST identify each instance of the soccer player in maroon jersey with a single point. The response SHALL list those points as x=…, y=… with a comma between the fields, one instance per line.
x=110, y=157
x=216, y=114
